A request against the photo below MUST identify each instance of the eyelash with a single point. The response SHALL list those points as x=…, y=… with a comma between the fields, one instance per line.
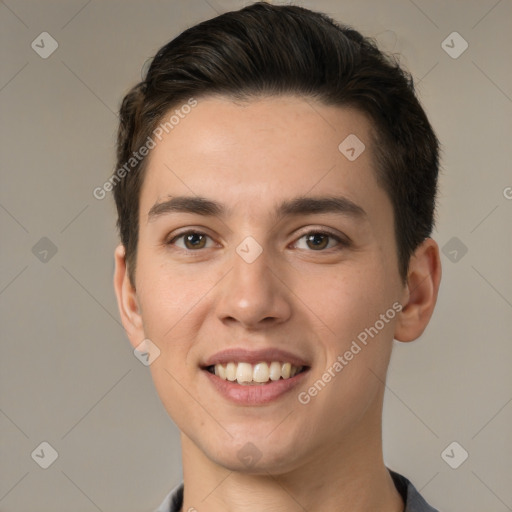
x=342, y=243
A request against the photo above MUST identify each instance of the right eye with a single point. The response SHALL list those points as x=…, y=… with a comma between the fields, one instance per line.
x=192, y=240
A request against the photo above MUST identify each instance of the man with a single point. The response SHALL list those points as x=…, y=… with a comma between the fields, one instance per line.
x=275, y=188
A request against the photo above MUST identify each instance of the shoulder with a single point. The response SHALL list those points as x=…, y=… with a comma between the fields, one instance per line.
x=173, y=501
x=414, y=501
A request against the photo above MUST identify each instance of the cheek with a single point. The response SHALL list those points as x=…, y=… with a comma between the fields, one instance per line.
x=356, y=343
x=168, y=295
x=355, y=340
x=346, y=301
x=172, y=312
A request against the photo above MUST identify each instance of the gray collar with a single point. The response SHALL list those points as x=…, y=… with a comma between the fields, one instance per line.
x=413, y=500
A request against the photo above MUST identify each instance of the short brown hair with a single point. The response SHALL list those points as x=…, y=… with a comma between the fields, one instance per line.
x=266, y=50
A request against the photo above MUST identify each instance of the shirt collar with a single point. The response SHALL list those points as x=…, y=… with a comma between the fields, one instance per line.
x=413, y=500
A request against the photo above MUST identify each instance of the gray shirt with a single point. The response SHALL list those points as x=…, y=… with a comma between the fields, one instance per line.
x=413, y=500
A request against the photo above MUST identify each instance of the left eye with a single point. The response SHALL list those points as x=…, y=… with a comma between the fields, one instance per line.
x=318, y=240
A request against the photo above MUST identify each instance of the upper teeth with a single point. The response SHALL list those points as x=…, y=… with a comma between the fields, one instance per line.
x=245, y=373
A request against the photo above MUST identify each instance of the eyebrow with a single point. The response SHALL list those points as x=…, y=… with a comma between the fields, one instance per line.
x=301, y=205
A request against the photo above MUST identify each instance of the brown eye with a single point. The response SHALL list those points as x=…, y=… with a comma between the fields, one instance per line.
x=192, y=240
x=319, y=241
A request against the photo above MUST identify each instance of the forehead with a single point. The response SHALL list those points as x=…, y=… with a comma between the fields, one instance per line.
x=252, y=155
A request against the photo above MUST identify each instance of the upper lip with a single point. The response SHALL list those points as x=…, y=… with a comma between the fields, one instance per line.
x=254, y=356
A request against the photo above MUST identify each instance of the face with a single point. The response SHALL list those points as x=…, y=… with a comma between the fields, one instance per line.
x=256, y=276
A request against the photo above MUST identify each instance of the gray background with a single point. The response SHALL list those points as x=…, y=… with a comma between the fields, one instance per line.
x=68, y=374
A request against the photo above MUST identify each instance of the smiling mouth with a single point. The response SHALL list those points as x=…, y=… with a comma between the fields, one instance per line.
x=255, y=374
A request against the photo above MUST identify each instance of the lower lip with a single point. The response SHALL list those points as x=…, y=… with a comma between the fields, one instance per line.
x=254, y=394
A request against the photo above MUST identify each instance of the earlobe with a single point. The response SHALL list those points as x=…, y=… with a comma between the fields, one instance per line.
x=127, y=301
x=423, y=281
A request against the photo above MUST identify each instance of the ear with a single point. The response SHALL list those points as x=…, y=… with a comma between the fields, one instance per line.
x=423, y=279
x=127, y=299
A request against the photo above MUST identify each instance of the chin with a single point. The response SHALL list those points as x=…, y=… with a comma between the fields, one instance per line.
x=255, y=456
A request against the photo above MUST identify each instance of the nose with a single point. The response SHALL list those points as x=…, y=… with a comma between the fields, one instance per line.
x=254, y=294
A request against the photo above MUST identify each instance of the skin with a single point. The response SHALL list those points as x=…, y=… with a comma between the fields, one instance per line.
x=192, y=303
